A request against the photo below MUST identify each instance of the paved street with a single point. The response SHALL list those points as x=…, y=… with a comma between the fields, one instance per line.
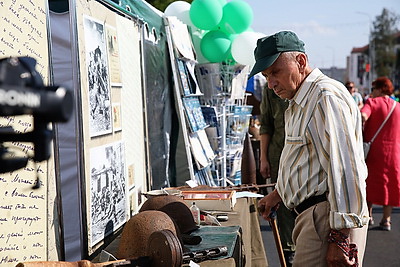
x=382, y=247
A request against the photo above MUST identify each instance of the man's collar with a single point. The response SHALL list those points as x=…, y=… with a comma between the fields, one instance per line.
x=300, y=97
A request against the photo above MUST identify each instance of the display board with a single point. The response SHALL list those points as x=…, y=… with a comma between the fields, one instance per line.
x=209, y=98
x=28, y=220
x=112, y=124
x=186, y=91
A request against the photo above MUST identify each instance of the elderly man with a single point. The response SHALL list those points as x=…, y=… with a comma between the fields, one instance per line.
x=322, y=170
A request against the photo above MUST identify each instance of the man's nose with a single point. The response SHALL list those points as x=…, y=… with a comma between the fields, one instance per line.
x=271, y=83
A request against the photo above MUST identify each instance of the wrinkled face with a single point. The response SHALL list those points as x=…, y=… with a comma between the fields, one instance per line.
x=284, y=75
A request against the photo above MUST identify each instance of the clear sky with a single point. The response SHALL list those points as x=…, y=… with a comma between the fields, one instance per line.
x=329, y=28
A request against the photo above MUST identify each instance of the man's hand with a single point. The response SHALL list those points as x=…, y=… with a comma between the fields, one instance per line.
x=265, y=168
x=268, y=202
x=336, y=257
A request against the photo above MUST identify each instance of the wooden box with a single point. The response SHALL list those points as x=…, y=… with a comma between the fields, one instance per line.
x=211, y=200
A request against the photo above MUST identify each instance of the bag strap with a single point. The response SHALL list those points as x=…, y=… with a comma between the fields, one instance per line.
x=383, y=123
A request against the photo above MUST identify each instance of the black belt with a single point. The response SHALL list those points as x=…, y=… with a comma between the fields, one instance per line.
x=308, y=203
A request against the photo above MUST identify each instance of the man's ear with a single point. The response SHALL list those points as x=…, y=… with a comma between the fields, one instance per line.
x=302, y=61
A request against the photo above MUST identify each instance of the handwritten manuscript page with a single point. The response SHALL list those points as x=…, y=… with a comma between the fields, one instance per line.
x=24, y=213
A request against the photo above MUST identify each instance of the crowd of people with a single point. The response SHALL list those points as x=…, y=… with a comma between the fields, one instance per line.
x=311, y=145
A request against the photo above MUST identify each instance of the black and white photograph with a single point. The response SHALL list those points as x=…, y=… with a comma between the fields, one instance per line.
x=100, y=121
x=108, y=189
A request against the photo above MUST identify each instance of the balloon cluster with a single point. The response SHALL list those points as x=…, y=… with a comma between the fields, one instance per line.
x=220, y=29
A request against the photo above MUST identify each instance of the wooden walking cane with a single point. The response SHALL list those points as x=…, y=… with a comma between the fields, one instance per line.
x=277, y=238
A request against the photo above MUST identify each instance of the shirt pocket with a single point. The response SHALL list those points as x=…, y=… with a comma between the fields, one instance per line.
x=296, y=140
x=296, y=148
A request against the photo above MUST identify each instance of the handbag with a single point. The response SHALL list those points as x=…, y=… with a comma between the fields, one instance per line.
x=367, y=145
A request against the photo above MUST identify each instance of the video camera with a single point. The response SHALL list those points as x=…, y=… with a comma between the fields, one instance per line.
x=22, y=92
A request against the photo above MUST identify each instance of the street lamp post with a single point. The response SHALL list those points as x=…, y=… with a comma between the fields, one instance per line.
x=371, y=49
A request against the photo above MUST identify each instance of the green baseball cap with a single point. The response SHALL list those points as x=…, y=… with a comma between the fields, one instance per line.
x=269, y=48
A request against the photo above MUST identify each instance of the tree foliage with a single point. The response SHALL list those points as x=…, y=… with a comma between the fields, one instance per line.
x=162, y=4
x=384, y=37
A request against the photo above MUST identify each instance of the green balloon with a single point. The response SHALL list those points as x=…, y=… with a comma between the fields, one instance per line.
x=222, y=2
x=196, y=40
x=237, y=17
x=205, y=14
x=229, y=58
x=216, y=46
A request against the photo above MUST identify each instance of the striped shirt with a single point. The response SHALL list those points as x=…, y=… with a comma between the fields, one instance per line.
x=323, y=151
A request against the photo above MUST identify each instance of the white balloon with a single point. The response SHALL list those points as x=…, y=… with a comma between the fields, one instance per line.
x=180, y=9
x=185, y=18
x=243, y=46
x=176, y=8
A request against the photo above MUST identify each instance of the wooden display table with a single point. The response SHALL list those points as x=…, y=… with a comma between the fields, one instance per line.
x=245, y=215
x=241, y=233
